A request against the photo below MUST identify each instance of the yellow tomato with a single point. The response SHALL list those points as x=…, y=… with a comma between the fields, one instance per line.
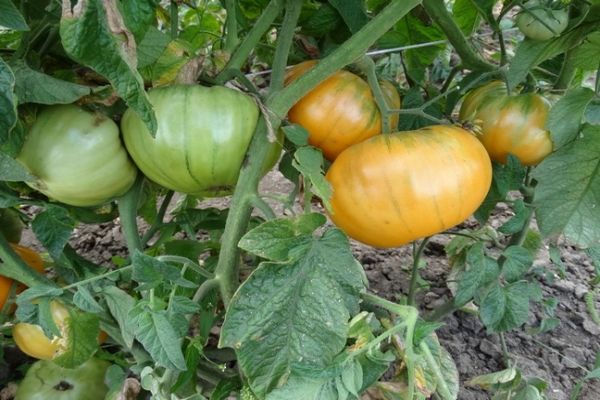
x=340, y=111
x=392, y=189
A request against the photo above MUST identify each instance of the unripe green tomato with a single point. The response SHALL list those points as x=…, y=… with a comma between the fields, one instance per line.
x=48, y=381
x=202, y=138
x=77, y=157
x=542, y=23
x=11, y=225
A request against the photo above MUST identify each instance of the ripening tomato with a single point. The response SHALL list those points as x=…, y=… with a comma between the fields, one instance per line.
x=46, y=380
x=76, y=156
x=32, y=340
x=539, y=22
x=392, y=189
x=509, y=124
x=340, y=111
x=32, y=258
x=202, y=139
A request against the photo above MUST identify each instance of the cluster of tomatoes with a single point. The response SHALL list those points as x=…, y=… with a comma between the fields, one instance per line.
x=392, y=189
x=388, y=190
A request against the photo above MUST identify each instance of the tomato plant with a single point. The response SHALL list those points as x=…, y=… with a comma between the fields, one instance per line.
x=76, y=157
x=431, y=166
x=202, y=137
x=512, y=124
x=340, y=111
x=124, y=116
x=540, y=22
x=46, y=380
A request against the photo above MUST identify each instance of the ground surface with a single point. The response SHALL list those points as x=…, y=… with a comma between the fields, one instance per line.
x=558, y=356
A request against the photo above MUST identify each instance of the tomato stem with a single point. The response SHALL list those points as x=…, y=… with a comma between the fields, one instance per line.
x=258, y=203
x=261, y=26
x=436, y=9
x=159, y=222
x=410, y=315
x=285, y=39
x=174, y=19
x=417, y=253
x=367, y=66
x=127, y=205
x=231, y=39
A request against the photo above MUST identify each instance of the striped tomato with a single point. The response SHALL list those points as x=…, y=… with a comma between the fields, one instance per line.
x=392, y=189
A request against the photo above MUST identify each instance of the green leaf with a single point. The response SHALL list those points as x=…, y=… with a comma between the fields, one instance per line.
x=352, y=12
x=8, y=102
x=309, y=161
x=531, y=53
x=87, y=38
x=12, y=170
x=465, y=15
x=517, y=262
x=568, y=190
x=300, y=387
x=10, y=17
x=84, y=299
x=585, y=56
x=564, y=120
x=413, y=30
x=138, y=15
x=294, y=312
x=487, y=381
x=183, y=305
x=274, y=239
x=83, y=339
x=36, y=87
x=151, y=273
x=592, y=112
x=152, y=47
x=482, y=271
x=157, y=335
x=296, y=134
x=53, y=227
x=518, y=221
x=505, y=308
x=120, y=303
x=439, y=368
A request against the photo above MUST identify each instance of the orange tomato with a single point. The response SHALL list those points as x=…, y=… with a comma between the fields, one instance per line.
x=340, y=111
x=32, y=258
x=392, y=189
x=509, y=124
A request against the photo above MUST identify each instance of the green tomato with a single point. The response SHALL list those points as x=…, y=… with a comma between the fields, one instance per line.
x=541, y=23
x=77, y=157
x=202, y=138
x=46, y=380
x=11, y=225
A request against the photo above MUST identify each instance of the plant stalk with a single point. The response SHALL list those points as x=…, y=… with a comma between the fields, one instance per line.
x=436, y=9
x=127, y=205
x=231, y=39
x=249, y=43
x=415, y=272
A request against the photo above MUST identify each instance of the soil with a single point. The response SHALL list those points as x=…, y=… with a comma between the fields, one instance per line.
x=559, y=356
